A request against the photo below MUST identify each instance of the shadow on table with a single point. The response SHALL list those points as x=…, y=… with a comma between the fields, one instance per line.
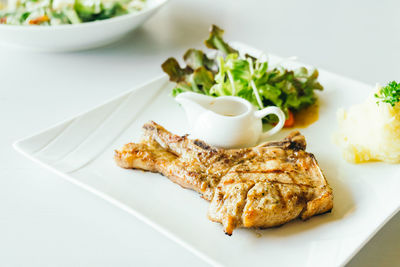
x=386, y=244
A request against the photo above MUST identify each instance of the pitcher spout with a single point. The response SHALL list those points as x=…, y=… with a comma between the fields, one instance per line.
x=194, y=105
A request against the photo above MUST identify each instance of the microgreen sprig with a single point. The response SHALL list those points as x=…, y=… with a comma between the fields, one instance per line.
x=389, y=94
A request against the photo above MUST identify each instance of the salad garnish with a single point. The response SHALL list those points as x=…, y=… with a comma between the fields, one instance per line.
x=229, y=72
x=56, y=12
x=389, y=94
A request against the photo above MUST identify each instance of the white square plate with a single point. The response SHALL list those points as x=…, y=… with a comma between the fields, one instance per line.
x=365, y=196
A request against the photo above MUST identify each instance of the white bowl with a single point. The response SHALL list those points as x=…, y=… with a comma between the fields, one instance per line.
x=72, y=37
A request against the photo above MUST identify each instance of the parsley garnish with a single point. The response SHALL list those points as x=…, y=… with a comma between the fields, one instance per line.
x=389, y=94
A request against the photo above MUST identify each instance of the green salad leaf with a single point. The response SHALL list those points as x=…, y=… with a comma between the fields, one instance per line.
x=215, y=41
x=389, y=94
x=229, y=73
x=196, y=58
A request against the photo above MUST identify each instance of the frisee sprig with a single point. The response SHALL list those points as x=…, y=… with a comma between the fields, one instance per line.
x=389, y=94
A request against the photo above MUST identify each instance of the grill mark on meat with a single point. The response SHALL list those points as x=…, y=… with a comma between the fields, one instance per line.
x=280, y=196
x=291, y=177
x=204, y=146
x=262, y=171
x=149, y=126
x=244, y=205
x=177, y=138
x=294, y=141
x=286, y=144
x=279, y=182
x=229, y=164
x=295, y=146
x=294, y=184
x=275, y=181
x=277, y=144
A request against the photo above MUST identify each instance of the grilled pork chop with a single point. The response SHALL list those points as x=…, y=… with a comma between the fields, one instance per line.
x=262, y=186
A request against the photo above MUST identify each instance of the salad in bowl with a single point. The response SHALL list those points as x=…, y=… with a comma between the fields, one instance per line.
x=68, y=25
x=56, y=12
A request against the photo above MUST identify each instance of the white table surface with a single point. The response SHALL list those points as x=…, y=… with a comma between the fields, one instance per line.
x=46, y=221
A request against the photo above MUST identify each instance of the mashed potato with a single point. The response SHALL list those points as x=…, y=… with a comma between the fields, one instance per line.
x=370, y=132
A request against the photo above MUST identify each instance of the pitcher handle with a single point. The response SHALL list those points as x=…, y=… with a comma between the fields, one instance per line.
x=271, y=110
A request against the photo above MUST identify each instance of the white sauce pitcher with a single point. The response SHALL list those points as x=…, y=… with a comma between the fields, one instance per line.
x=227, y=121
